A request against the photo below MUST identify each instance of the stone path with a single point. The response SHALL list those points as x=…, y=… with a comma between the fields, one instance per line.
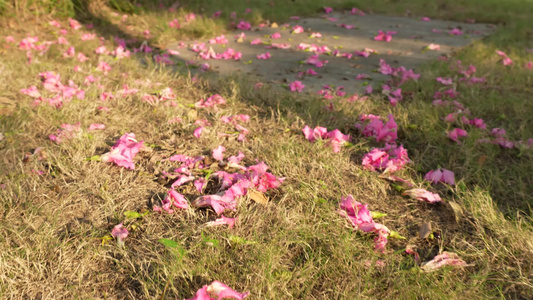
x=405, y=49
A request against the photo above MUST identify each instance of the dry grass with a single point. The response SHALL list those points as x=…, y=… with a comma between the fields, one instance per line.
x=53, y=227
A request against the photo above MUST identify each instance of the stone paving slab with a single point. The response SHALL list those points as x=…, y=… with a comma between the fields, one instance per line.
x=405, y=49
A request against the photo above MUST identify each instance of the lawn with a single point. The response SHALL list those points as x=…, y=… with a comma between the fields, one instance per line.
x=72, y=98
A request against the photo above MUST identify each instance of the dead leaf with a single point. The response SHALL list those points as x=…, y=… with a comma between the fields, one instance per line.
x=425, y=230
x=258, y=197
x=192, y=114
x=482, y=160
x=274, y=25
x=457, y=210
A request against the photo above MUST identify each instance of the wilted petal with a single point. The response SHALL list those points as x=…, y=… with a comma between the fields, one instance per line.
x=441, y=260
x=422, y=195
x=218, y=153
x=223, y=291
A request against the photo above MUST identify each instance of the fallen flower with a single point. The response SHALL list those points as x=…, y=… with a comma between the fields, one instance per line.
x=123, y=152
x=440, y=175
x=444, y=259
x=96, y=126
x=263, y=55
x=218, y=153
x=457, y=133
x=296, y=86
x=120, y=233
x=422, y=195
x=361, y=218
x=506, y=61
x=384, y=36
x=66, y=132
x=219, y=290
x=222, y=221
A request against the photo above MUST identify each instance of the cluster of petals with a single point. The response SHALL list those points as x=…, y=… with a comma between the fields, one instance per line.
x=314, y=48
x=52, y=83
x=361, y=218
x=335, y=138
x=440, y=175
x=384, y=36
x=123, y=152
x=244, y=25
x=506, y=61
x=235, y=185
x=217, y=290
x=315, y=61
x=394, y=96
x=212, y=101
x=219, y=40
x=296, y=86
x=457, y=133
x=172, y=199
x=374, y=127
x=390, y=158
x=263, y=55
x=66, y=132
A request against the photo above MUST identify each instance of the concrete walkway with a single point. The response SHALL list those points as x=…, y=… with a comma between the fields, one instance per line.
x=407, y=48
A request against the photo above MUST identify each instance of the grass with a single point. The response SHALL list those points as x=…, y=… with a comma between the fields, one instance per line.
x=55, y=227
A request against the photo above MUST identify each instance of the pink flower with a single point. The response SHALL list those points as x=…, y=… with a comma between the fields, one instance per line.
x=120, y=233
x=328, y=10
x=390, y=158
x=198, y=132
x=212, y=101
x=32, y=91
x=88, y=36
x=174, y=24
x=313, y=60
x=441, y=260
x=438, y=175
x=219, y=40
x=529, y=65
x=455, y=31
x=356, y=11
x=297, y=29
x=222, y=221
x=275, y=35
x=445, y=81
x=66, y=132
x=434, y=47
x=218, y=153
x=100, y=50
x=384, y=36
x=296, y=86
x=264, y=55
x=74, y=24
x=422, y=195
x=96, y=126
x=81, y=57
x=123, y=152
x=361, y=218
x=425, y=19
x=219, y=290
x=314, y=134
x=457, y=133
x=506, y=61
x=244, y=25
x=103, y=67
x=355, y=212
x=382, y=132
